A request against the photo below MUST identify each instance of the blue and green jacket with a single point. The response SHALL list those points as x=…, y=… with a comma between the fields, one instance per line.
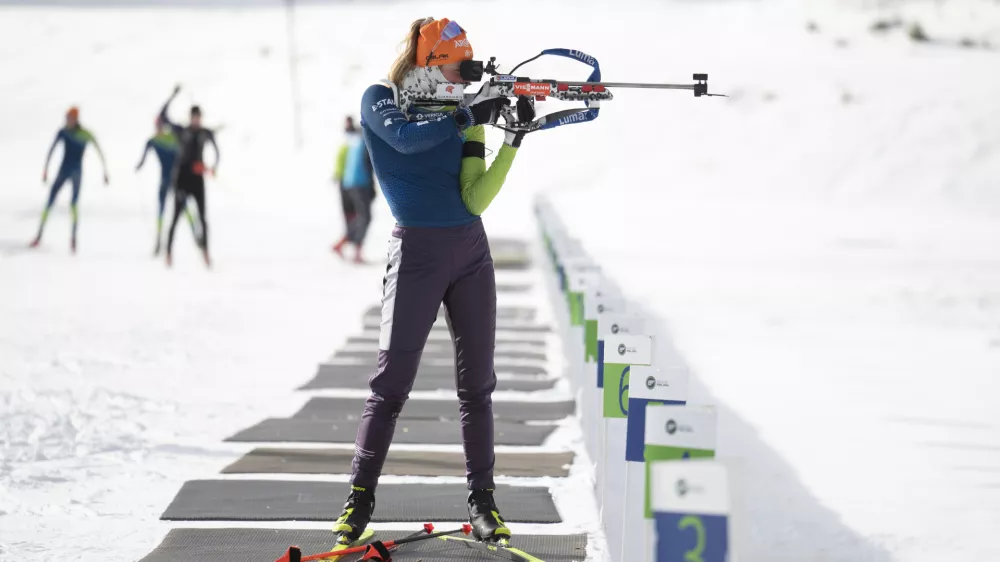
x=74, y=141
x=166, y=147
x=432, y=172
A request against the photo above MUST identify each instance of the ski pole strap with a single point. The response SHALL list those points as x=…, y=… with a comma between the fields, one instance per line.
x=377, y=551
x=565, y=117
x=577, y=115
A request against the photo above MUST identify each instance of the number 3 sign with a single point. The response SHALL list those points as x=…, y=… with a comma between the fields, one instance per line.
x=691, y=511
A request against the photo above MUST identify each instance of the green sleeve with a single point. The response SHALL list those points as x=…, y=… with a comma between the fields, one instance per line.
x=479, y=183
x=338, y=171
x=93, y=140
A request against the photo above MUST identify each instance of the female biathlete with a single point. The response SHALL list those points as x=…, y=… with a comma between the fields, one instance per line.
x=432, y=170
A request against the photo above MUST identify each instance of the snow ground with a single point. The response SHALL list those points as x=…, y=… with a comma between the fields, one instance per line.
x=824, y=247
x=825, y=251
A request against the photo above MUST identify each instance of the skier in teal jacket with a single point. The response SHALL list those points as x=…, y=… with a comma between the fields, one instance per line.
x=356, y=178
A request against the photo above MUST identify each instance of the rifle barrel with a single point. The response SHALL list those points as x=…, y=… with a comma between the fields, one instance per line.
x=633, y=85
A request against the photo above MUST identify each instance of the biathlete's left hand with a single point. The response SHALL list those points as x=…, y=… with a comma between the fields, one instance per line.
x=512, y=138
x=212, y=171
x=525, y=114
x=106, y=180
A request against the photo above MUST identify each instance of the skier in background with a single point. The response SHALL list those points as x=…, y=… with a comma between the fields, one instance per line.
x=165, y=145
x=338, y=174
x=356, y=181
x=189, y=169
x=75, y=139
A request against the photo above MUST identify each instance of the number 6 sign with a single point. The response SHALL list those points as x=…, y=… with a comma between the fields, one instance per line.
x=619, y=354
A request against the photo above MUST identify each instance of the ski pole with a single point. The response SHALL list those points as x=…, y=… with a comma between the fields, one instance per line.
x=428, y=528
x=294, y=554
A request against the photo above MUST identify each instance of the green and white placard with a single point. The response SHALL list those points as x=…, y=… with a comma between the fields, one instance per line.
x=612, y=323
x=580, y=274
x=597, y=298
x=650, y=385
x=620, y=353
x=676, y=433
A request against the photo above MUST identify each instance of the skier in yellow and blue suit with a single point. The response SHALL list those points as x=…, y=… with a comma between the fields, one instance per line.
x=166, y=147
x=75, y=139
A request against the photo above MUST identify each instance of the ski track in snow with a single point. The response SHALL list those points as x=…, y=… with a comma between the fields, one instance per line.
x=822, y=247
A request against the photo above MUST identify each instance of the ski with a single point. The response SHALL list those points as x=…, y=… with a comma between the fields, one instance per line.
x=501, y=549
x=378, y=550
x=367, y=534
x=428, y=528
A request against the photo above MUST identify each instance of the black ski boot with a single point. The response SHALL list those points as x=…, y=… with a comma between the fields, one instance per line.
x=487, y=525
x=357, y=513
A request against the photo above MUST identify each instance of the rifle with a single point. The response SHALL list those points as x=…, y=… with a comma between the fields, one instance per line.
x=526, y=91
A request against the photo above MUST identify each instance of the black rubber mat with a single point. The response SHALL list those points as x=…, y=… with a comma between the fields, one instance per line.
x=360, y=370
x=512, y=262
x=510, y=245
x=428, y=432
x=442, y=354
x=293, y=500
x=524, y=313
x=443, y=346
x=514, y=287
x=341, y=408
x=442, y=340
x=427, y=382
x=514, y=326
x=241, y=545
x=401, y=463
x=509, y=249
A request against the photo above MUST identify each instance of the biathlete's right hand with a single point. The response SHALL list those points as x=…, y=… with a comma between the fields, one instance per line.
x=45, y=176
x=177, y=89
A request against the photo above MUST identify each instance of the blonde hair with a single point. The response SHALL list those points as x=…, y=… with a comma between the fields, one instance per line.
x=407, y=60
